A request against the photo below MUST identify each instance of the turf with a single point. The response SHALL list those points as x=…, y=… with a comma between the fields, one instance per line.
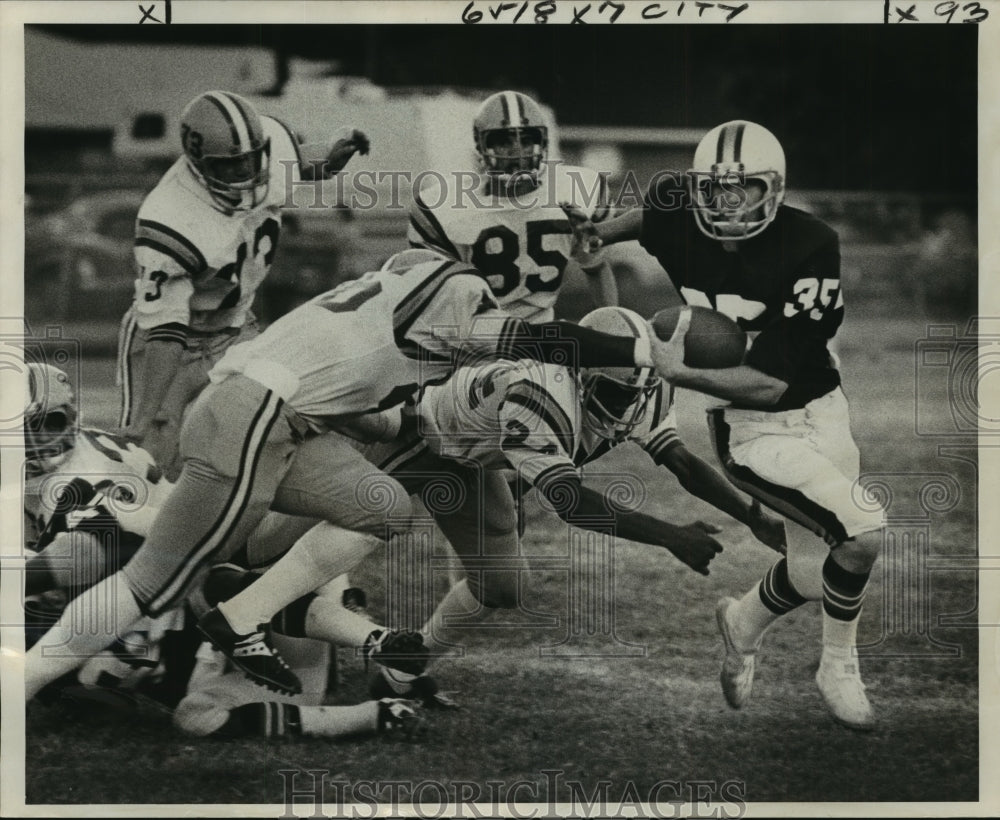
x=614, y=704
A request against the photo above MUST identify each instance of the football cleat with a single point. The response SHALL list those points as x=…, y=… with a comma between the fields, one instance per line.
x=839, y=682
x=399, y=717
x=422, y=688
x=402, y=650
x=252, y=654
x=738, y=666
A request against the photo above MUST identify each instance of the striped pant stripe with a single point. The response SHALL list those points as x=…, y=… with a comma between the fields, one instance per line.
x=233, y=509
x=125, y=377
x=790, y=503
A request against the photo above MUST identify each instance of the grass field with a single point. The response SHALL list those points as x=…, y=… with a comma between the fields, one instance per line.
x=630, y=721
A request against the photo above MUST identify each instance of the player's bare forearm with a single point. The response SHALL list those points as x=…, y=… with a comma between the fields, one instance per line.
x=620, y=228
x=743, y=384
x=691, y=544
x=602, y=284
x=705, y=482
x=162, y=361
x=324, y=160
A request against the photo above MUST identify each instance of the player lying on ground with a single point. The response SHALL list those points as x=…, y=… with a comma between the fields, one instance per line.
x=90, y=499
x=222, y=702
x=784, y=437
x=205, y=239
x=254, y=440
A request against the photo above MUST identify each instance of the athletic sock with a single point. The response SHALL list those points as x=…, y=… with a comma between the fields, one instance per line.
x=317, y=557
x=91, y=622
x=843, y=598
x=771, y=598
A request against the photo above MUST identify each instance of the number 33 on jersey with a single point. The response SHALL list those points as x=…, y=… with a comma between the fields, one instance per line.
x=521, y=245
x=198, y=266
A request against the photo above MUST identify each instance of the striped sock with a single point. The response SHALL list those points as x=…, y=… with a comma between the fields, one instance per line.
x=776, y=590
x=843, y=597
x=843, y=591
x=270, y=720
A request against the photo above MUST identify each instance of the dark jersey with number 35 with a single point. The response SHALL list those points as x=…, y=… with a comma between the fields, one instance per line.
x=783, y=283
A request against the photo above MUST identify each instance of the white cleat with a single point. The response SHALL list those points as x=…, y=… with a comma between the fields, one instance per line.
x=738, y=667
x=839, y=683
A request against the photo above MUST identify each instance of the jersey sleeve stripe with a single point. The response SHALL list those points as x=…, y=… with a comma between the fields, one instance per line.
x=512, y=330
x=171, y=332
x=165, y=239
x=410, y=308
x=661, y=442
x=420, y=228
x=540, y=401
x=554, y=473
x=434, y=227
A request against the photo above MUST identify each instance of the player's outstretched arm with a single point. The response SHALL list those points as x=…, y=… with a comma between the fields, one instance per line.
x=592, y=236
x=323, y=160
x=586, y=508
x=702, y=480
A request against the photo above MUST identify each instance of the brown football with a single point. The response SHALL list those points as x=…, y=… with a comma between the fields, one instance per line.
x=713, y=339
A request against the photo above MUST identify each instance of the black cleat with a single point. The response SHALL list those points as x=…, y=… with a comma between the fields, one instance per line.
x=422, y=688
x=399, y=717
x=403, y=651
x=252, y=654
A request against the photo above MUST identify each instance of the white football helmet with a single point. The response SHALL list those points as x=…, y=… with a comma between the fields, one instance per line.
x=512, y=137
x=225, y=148
x=49, y=414
x=615, y=399
x=727, y=160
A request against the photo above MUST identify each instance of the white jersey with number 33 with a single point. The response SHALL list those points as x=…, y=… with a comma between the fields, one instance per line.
x=197, y=266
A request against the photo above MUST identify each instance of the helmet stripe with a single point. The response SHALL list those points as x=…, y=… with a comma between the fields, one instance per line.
x=233, y=116
x=505, y=105
x=639, y=331
x=720, y=145
x=738, y=141
x=521, y=115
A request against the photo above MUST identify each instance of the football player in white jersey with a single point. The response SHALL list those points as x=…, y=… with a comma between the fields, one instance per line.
x=546, y=422
x=509, y=224
x=347, y=360
x=90, y=498
x=205, y=239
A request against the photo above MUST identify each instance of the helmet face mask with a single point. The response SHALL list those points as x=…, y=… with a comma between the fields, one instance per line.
x=226, y=149
x=511, y=138
x=616, y=399
x=50, y=416
x=612, y=406
x=738, y=181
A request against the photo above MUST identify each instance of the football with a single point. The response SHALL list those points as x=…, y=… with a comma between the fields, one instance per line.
x=713, y=339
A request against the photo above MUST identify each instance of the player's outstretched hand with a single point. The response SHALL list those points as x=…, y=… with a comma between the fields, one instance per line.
x=585, y=238
x=767, y=529
x=698, y=547
x=668, y=356
x=344, y=144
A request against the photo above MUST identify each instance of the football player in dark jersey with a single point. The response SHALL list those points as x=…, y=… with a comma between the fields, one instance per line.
x=727, y=241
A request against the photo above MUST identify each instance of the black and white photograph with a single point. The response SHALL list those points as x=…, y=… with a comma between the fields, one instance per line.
x=479, y=408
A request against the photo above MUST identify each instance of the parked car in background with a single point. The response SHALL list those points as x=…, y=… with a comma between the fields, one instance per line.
x=78, y=259
x=78, y=263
